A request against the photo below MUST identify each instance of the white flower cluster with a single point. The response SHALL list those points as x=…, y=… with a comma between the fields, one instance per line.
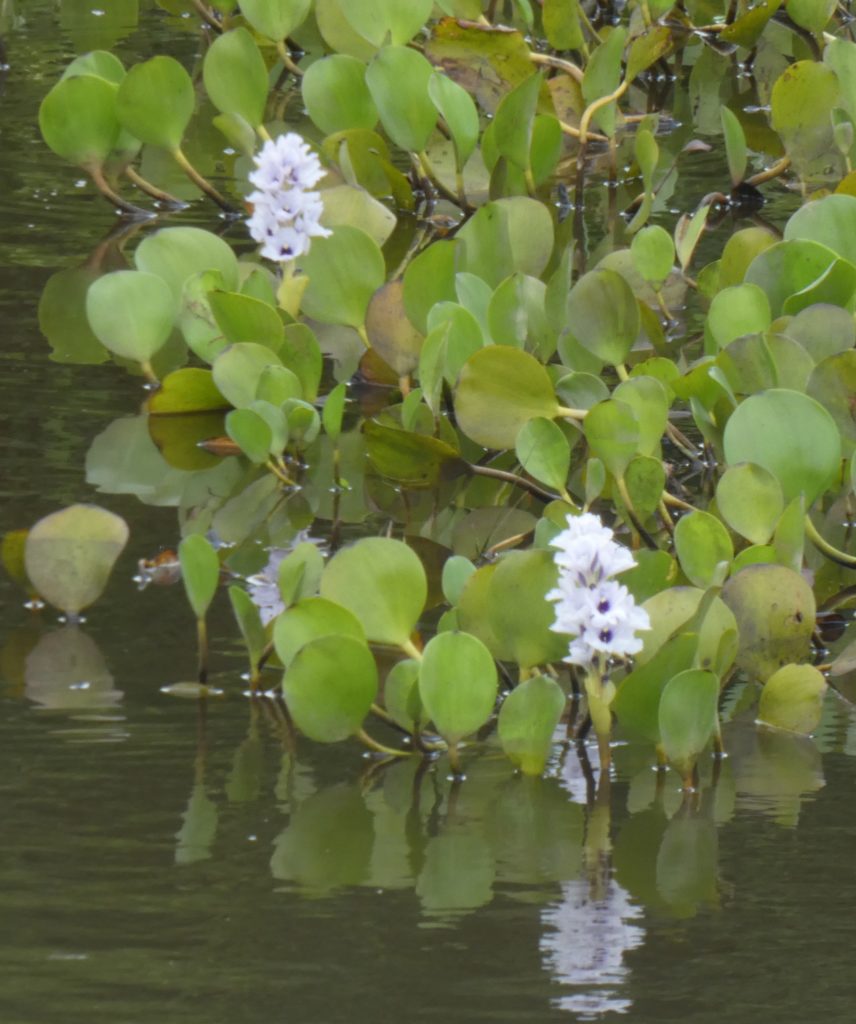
x=285, y=210
x=599, y=613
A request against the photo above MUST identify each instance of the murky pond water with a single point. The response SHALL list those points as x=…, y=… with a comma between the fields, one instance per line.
x=158, y=864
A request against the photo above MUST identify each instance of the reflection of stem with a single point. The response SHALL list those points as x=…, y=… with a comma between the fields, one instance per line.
x=202, y=183
x=202, y=644
x=106, y=190
x=152, y=190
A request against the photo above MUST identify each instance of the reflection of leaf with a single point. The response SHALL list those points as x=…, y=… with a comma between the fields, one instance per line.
x=66, y=670
x=328, y=842
x=458, y=873
x=686, y=864
x=198, y=830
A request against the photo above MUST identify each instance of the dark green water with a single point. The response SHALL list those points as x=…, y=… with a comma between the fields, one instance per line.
x=156, y=866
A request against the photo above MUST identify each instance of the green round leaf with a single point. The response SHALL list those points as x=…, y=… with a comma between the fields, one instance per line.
x=131, y=313
x=458, y=110
x=734, y=312
x=543, y=451
x=653, y=253
x=336, y=95
x=70, y=554
x=176, y=254
x=527, y=720
x=275, y=19
x=750, y=500
x=329, y=687
x=387, y=21
x=499, y=390
x=792, y=699
x=458, y=684
x=236, y=77
x=612, y=432
x=78, y=120
x=519, y=612
x=344, y=271
x=200, y=571
x=791, y=436
x=401, y=695
x=775, y=609
x=309, y=619
x=251, y=433
x=383, y=583
x=238, y=370
x=688, y=716
x=398, y=80
x=603, y=315
x=704, y=548
x=156, y=101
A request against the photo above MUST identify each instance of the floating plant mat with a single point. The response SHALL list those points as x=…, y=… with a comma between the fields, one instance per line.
x=397, y=429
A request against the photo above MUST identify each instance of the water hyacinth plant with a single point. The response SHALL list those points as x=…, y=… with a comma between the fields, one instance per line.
x=526, y=371
x=598, y=612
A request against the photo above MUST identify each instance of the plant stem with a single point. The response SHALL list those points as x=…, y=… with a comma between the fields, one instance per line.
x=379, y=748
x=557, y=62
x=411, y=650
x=106, y=190
x=202, y=183
x=202, y=645
x=776, y=171
x=287, y=59
x=823, y=545
x=512, y=478
x=152, y=190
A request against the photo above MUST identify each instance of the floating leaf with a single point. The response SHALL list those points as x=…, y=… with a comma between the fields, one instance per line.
x=543, y=451
x=78, y=120
x=131, y=313
x=176, y=254
x=344, y=271
x=156, y=101
x=70, y=554
x=401, y=695
x=275, y=19
x=238, y=370
x=688, y=716
x=735, y=146
x=336, y=95
x=792, y=699
x=383, y=583
x=775, y=610
x=329, y=687
x=398, y=80
x=415, y=460
x=309, y=619
x=200, y=572
x=249, y=621
x=791, y=436
x=387, y=21
x=499, y=390
x=189, y=390
x=612, y=432
x=391, y=334
x=527, y=720
x=252, y=433
x=750, y=500
x=299, y=573
x=603, y=315
x=235, y=76
x=704, y=548
x=458, y=110
x=519, y=612
x=457, y=684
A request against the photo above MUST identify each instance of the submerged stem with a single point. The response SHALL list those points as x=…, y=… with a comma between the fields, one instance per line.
x=823, y=545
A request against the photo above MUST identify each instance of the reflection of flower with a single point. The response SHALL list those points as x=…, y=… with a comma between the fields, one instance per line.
x=584, y=945
x=599, y=613
x=285, y=211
